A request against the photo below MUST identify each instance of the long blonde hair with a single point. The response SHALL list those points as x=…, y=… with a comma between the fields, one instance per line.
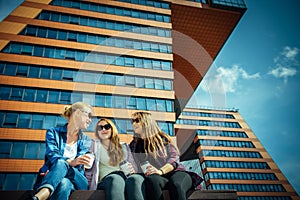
x=115, y=151
x=155, y=138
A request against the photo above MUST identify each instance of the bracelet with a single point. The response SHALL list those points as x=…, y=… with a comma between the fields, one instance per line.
x=162, y=171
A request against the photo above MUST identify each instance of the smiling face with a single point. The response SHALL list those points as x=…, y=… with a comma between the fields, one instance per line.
x=137, y=125
x=104, y=130
x=84, y=117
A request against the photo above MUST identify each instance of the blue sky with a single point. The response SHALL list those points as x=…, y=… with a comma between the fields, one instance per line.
x=257, y=72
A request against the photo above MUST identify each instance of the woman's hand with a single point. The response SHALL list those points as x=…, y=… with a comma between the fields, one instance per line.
x=153, y=170
x=131, y=169
x=80, y=160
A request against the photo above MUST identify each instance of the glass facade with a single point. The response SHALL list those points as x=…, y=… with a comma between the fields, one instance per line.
x=103, y=40
x=99, y=100
x=221, y=133
x=249, y=187
x=105, y=78
x=17, y=181
x=204, y=114
x=42, y=121
x=234, y=164
x=208, y=123
x=156, y=4
x=112, y=10
x=105, y=24
x=244, y=162
x=22, y=150
x=85, y=56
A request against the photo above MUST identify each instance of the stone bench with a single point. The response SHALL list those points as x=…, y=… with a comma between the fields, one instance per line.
x=99, y=194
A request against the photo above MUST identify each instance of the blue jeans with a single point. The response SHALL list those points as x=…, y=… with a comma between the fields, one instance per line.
x=63, y=190
x=62, y=179
x=113, y=184
x=135, y=187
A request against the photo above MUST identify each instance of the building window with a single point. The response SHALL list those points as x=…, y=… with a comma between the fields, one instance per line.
x=12, y=181
x=99, y=23
x=10, y=120
x=24, y=121
x=5, y=149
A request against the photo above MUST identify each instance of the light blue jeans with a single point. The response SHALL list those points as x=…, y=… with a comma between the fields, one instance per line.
x=115, y=184
x=62, y=179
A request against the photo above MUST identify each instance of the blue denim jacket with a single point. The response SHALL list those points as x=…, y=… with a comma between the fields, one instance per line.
x=56, y=138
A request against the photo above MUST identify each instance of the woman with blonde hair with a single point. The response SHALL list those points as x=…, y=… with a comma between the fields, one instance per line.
x=107, y=172
x=164, y=170
x=66, y=147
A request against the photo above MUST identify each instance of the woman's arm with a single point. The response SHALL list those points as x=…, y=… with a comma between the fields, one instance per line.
x=52, y=145
x=130, y=158
x=172, y=159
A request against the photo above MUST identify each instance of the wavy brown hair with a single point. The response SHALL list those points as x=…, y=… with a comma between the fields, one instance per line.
x=115, y=151
x=155, y=138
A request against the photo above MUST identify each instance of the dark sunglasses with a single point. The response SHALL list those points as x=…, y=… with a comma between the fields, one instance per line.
x=106, y=127
x=136, y=120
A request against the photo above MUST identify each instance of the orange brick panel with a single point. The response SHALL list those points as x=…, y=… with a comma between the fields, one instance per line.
x=22, y=134
x=18, y=165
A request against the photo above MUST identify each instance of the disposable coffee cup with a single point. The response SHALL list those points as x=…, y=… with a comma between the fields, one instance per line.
x=124, y=166
x=144, y=166
x=92, y=158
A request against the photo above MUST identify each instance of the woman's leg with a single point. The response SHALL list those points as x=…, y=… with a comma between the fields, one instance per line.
x=179, y=184
x=114, y=186
x=78, y=179
x=56, y=173
x=60, y=170
x=154, y=186
x=135, y=187
x=63, y=190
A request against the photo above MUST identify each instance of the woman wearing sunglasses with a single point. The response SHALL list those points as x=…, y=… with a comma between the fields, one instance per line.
x=164, y=170
x=66, y=147
x=106, y=173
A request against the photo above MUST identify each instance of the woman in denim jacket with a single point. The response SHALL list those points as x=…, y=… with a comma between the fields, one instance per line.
x=63, y=169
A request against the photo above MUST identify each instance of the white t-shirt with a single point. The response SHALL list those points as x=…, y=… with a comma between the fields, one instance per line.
x=70, y=151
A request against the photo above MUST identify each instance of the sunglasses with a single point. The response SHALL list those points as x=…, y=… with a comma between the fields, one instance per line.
x=88, y=113
x=136, y=120
x=106, y=127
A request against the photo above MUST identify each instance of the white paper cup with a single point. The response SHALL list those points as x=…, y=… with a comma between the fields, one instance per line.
x=92, y=158
x=124, y=166
x=144, y=166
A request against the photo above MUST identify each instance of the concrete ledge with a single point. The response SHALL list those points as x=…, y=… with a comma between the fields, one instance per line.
x=99, y=194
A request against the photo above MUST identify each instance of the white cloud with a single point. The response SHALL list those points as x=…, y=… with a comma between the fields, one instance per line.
x=226, y=79
x=285, y=64
x=283, y=72
x=290, y=53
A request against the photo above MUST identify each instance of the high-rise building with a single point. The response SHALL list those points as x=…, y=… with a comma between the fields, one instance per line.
x=119, y=56
x=230, y=155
